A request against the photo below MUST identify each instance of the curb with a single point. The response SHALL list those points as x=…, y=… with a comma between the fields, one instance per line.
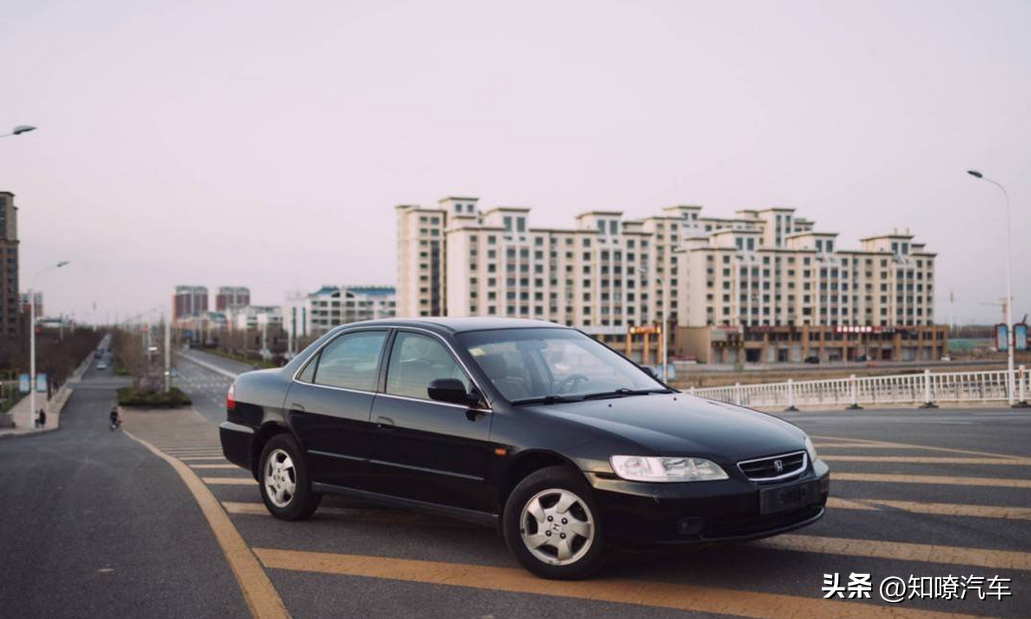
x=35, y=432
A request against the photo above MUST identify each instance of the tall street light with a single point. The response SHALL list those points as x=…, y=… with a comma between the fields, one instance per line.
x=20, y=129
x=1010, y=340
x=32, y=337
x=662, y=328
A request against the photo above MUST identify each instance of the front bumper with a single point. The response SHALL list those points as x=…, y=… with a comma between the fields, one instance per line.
x=657, y=515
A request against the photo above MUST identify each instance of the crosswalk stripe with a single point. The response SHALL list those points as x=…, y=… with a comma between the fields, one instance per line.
x=901, y=551
x=211, y=454
x=933, y=480
x=928, y=460
x=677, y=596
x=939, y=509
x=229, y=481
x=213, y=466
x=193, y=458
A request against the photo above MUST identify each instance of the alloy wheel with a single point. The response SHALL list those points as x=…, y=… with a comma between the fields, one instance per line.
x=280, y=478
x=557, y=526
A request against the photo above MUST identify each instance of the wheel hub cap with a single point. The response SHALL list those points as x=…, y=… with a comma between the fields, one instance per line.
x=557, y=527
x=280, y=478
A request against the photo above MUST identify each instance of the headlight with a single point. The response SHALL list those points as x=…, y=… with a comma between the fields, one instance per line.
x=810, y=449
x=644, y=468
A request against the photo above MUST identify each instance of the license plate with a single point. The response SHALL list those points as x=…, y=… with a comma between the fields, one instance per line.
x=785, y=498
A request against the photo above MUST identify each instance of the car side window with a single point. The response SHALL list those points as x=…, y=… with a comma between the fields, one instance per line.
x=415, y=361
x=350, y=361
x=308, y=374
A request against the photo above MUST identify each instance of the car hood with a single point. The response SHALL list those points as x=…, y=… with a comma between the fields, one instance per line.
x=681, y=425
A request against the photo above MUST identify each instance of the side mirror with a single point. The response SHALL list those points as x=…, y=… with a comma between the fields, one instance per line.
x=450, y=390
x=650, y=372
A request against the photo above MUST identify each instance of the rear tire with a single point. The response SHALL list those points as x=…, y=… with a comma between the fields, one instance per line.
x=284, y=482
x=552, y=525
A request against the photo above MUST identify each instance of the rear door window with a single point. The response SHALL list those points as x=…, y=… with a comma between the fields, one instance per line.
x=350, y=361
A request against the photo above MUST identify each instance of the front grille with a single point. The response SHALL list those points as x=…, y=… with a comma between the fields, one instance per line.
x=767, y=469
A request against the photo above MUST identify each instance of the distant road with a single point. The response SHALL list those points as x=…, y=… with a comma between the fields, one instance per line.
x=220, y=362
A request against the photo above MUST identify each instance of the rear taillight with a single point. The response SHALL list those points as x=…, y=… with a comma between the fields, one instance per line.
x=231, y=397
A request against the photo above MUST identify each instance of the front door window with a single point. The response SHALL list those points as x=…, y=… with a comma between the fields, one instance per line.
x=415, y=361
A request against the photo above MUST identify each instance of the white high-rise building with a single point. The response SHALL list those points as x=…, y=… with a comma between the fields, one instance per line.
x=761, y=269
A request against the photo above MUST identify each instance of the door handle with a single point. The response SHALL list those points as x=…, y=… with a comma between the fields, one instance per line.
x=385, y=423
x=297, y=408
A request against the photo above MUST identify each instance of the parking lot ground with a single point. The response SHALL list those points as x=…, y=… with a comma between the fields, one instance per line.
x=916, y=495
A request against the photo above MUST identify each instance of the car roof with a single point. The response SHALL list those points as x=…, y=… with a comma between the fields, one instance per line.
x=458, y=325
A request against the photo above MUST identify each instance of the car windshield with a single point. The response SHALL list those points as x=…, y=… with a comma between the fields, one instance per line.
x=549, y=365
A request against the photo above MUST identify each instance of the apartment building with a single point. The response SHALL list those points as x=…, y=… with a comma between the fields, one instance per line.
x=420, y=244
x=254, y=317
x=232, y=297
x=603, y=275
x=189, y=301
x=764, y=287
x=724, y=279
x=311, y=315
x=9, y=291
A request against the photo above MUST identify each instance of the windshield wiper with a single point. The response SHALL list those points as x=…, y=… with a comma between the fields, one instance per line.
x=547, y=399
x=623, y=391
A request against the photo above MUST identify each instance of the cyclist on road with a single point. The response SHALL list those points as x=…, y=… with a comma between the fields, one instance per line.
x=115, y=421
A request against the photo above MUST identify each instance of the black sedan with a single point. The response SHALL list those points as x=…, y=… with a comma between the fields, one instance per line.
x=560, y=442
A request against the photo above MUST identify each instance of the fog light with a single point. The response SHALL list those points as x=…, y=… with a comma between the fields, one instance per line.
x=689, y=526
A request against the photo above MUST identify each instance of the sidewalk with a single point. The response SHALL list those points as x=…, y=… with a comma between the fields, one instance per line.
x=22, y=412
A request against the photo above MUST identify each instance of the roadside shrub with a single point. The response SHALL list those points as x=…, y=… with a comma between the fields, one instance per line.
x=130, y=396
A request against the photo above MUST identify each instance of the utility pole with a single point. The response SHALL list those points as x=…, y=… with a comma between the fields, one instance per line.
x=1010, y=340
x=168, y=353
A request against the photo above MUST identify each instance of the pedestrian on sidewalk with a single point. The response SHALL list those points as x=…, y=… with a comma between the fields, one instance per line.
x=35, y=419
x=42, y=418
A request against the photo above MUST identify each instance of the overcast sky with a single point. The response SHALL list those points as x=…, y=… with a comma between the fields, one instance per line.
x=265, y=143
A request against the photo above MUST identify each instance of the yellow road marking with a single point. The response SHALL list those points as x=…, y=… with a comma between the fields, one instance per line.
x=868, y=444
x=900, y=551
x=229, y=481
x=933, y=480
x=929, y=460
x=213, y=466
x=254, y=509
x=941, y=509
x=836, y=503
x=617, y=590
x=261, y=597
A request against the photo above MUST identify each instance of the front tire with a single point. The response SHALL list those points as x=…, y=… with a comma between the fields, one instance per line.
x=284, y=482
x=552, y=525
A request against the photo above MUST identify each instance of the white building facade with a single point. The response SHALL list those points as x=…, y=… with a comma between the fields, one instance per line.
x=310, y=315
x=759, y=269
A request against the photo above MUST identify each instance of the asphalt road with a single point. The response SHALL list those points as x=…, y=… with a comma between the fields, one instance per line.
x=916, y=493
x=93, y=525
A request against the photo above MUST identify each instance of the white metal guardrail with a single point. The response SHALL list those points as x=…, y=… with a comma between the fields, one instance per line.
x=925, y=389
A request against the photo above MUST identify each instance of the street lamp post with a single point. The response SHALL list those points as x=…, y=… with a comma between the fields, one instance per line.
x=662, y=327
x=32, y=338
x=1010, y=340
x=20, y=129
